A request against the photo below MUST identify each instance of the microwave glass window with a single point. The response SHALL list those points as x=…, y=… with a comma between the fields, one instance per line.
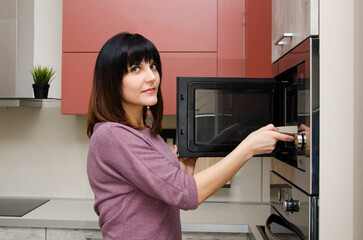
x=227, y=116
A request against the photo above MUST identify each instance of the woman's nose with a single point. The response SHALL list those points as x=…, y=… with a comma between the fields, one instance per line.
x=150, y=75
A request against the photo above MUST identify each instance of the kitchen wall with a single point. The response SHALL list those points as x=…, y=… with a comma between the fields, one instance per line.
x=48, y=39
x=43, y=153
x=341, y=141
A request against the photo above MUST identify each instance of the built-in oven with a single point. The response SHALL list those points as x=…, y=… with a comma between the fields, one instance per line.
x=294, y=213
x=294, y=177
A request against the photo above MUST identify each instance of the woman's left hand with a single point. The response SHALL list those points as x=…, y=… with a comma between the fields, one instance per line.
x=187, y=165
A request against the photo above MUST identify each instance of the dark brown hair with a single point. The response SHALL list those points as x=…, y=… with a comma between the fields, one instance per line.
x=117, y=54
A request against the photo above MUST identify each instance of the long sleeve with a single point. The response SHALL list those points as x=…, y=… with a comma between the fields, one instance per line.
x=133, y=168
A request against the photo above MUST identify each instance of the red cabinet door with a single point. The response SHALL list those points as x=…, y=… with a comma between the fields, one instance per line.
x=230, y=38
x=186, y=25
x=258, y=39
x=77, y=79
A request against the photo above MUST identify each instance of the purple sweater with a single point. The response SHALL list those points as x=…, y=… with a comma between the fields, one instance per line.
x=138, y=185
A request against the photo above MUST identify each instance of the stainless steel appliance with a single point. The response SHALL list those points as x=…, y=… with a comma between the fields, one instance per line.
x=294, y=180
x=215, y=114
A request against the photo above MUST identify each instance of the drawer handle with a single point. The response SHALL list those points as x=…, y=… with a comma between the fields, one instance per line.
x=285, y=35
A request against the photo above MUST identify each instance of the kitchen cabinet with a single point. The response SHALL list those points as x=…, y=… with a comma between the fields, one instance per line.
x=230, y=38
x=195, y=38
x=77, y=79
x=257, y=39
x=292, y=22
x=171, y=25
x=41, y=233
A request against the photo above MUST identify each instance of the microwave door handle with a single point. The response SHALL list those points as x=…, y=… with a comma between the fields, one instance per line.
x=273, y=218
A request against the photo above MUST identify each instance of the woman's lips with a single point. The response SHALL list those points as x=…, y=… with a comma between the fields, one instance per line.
x=149, y=90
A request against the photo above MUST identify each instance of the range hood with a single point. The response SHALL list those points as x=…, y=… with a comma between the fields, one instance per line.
x=17, y=53
x=19, y=207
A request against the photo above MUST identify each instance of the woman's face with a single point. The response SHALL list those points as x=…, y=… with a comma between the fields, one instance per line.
x=140, y=85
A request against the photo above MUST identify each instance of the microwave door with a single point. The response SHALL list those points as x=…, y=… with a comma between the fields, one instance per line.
x=216, y=114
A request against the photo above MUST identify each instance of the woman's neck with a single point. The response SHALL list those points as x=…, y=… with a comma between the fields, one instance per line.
x=135, y=116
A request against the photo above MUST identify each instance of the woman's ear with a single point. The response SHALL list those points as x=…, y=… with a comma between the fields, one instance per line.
x=175, y=150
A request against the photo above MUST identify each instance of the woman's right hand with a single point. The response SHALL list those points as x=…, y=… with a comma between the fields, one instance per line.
x=263, y=140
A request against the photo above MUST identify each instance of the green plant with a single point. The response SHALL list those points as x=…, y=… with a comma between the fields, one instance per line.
x=42, y=75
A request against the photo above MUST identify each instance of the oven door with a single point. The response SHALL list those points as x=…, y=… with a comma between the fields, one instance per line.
x=277, y=228
x=297, y=209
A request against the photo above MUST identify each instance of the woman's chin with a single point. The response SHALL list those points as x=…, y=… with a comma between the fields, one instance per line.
x=151, y=103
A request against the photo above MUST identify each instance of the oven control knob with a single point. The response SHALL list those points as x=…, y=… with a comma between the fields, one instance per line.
x=291, y=205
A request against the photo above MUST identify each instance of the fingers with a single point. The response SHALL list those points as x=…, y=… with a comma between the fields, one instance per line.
x=284, y=137
x=279, y=136
x=303, y=127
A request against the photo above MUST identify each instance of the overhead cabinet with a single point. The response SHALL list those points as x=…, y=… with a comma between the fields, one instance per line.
x=186, y=25
x=195, y=38
x=292, y=23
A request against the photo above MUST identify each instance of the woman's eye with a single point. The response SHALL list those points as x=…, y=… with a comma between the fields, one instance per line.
x=134, y=69
x=153, y=66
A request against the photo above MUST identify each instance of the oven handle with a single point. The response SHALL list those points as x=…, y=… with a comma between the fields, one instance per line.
x=273, y=218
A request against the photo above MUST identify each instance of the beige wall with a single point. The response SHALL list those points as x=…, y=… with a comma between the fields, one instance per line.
x=341, y=185
x=48, y=39
x=43, y=153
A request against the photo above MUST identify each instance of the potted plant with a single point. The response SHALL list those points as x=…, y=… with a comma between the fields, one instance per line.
x=42, y=76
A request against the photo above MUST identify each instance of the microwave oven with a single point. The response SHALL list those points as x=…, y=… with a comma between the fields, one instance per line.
x=214, y=114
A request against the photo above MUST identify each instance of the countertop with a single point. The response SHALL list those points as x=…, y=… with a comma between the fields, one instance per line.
x=209, y=217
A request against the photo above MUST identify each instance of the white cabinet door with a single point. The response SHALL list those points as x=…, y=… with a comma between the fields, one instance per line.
x=292, y=22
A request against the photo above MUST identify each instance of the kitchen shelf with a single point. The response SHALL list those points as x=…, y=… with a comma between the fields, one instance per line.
x=26, y=102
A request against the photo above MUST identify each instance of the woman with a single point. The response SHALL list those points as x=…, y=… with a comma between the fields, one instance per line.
x=139, y=184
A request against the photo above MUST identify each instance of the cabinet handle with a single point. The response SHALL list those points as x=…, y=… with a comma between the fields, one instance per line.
x=285, y=35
